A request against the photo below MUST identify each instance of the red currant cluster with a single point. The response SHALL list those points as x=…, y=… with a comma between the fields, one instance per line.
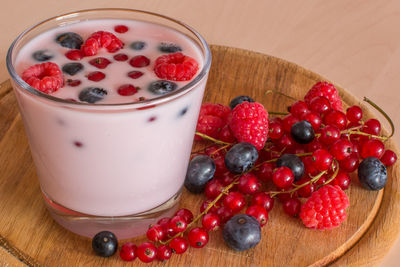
x=305, y=162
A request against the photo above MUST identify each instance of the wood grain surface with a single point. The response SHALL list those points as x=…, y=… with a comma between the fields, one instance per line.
x=32, y=236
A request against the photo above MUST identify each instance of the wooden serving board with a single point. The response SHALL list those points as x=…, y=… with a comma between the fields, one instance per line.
x=28, y=233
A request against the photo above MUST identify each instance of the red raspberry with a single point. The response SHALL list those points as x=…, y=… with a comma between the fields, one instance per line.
x=101, y=39
x=175, y=67
x=45, y=77
x=327, y=90
x=249, y=123
x=212, y=118
x=325, y=209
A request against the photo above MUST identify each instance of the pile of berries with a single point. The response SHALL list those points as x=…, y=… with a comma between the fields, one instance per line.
x=304, y=160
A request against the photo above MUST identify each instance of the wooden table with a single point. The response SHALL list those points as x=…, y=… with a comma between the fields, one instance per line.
x=354, y=43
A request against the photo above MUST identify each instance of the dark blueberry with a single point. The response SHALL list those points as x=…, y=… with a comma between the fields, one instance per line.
x=183, y=111
x=138, y=45
x=72, y=68
x=372, y=174
x=105, y=244
x=162, y=87
x=242, y=232
x=201, y=170
x=42, y=55
x=70, y=40
x=240, y=99
x=92, y=94
x=169, y=48
x=294, y=163
x=302, y=132
x=241, y=157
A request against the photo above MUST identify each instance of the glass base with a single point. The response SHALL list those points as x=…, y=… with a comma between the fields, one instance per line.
x=122, y=226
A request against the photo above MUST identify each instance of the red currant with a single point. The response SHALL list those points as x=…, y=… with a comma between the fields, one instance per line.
x=186, y=214
x=139, y=61
x=354, y=114
x=372, y=148
x=128, y=252
x=146, y=252
x=314, y=145
x=329, y=134
x=309, y=166
x=342, y=180
x=156, y=233
x=224, y=213
x=205, y=205
x=299, y=108
x=213, y=189
x=350, y=163
x=74, y=54
x=179, y=245
x=283, y=177
x=210, y=221
x=249, y=184
x=314, y=119
x=373, y=125
x=164, y=222
x=320, y=105
x=322, y=159
x=96, y=76
x=306, y=190
x=258, y=212
x=226, y=135
x=120, y=57
x=135, y=74
x=292, y=207
x=336, y=118
x=227, y=178
x=286, y=141
x=264, y=172
x=341, y=149
x=198, y=237
x=164, y=252
x=288, y=122
x=177, y=224
x=127, y=90
x=234, y=201
x=275, y=130
x=388, y=158
x=263, y=199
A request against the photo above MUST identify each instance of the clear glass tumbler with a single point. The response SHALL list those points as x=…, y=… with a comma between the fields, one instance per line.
x=101, y=166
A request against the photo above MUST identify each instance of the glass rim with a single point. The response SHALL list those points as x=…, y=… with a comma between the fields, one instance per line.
x=153, y=101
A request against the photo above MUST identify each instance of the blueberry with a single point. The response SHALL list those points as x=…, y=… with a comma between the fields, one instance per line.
x=372, y=174
x=302, y=132
x=92, y=94
x=201, y=170
x=241, y=157
x=162, y=87
x=294, y=163
x=42, y=55
x=242, y=232
x=138, y=45
x=169, y=48
x=105, y=244
x=240, y=99
x=72, y=68
x=70, y=40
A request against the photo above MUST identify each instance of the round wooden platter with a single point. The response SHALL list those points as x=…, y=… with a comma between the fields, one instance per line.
x=28, y=233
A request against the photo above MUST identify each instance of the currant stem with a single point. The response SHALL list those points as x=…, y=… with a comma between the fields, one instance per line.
x=277, y=113
x=206, y=137
x=280, y=93
x=383, y=138
x=335, y=165
x=383, y=113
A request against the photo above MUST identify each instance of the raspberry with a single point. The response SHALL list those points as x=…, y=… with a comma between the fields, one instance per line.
x=212, y=118
x=249, y=123
x=327, y=90
x=101, y=39
x=175, y=67
x=45, y=77
x=325, y=209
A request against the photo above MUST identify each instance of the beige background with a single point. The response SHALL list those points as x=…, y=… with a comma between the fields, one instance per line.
x=354, y=43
